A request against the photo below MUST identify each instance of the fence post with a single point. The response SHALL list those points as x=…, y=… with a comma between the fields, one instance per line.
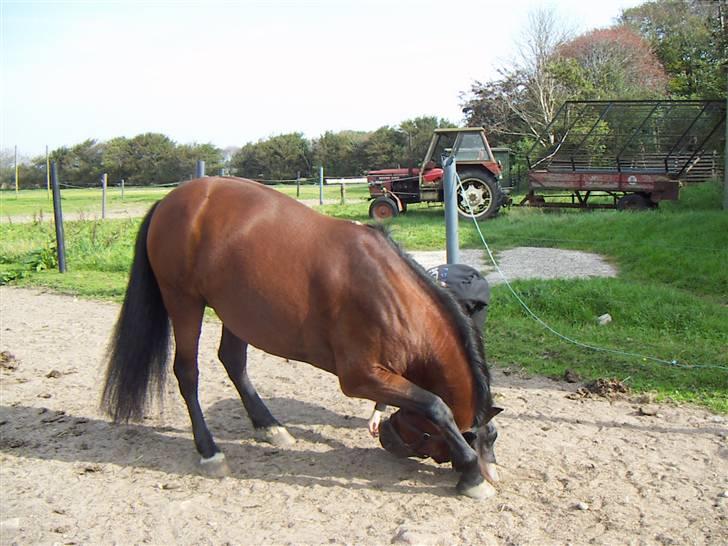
x=58, y=218
x=200, y=169
x=343, y=193
x=16, y=172
x=104, y=179
x=48, y=174
x=321, y=185
x=725, y=158
x=122, y=189
x=451, y=211
x=298, y=184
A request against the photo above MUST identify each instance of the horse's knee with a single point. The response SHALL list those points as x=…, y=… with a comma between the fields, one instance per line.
x=353, y=385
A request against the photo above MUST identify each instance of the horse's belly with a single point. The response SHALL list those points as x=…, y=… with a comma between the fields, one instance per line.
x=278, y=335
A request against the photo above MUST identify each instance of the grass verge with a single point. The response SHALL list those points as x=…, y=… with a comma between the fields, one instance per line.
x=670, y=300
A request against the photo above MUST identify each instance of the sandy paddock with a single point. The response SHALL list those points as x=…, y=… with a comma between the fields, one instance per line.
x=575, y=470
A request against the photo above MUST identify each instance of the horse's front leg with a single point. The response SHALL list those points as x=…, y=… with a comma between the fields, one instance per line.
x=394, y=390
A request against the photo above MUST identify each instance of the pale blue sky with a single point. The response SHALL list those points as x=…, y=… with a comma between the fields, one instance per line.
x=235, y=72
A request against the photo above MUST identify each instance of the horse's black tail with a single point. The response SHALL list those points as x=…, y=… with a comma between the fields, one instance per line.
x=139, y=345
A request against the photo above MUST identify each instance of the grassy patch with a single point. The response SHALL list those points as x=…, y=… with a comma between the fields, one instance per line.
x=670, y=300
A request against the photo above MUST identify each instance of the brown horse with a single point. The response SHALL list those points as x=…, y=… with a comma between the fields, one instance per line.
x=300, y=285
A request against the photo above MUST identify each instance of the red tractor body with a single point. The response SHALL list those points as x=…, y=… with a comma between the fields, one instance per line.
x=479, y=192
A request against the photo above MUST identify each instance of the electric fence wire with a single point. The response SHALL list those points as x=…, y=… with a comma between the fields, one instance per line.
x=672, y=363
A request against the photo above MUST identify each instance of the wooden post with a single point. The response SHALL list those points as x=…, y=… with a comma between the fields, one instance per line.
x=48, y=175
x=343, y=193
x=122, y=189
x=298, y=184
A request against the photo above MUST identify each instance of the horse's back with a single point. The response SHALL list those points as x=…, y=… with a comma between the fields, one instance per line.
x=273, y=269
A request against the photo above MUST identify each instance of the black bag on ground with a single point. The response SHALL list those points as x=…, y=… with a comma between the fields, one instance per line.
x=468, y=287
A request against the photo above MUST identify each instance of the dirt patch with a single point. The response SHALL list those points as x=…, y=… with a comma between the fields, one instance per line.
x=586, y=471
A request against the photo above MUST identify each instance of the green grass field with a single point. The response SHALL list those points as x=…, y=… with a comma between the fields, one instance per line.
x=670, y=300
x=88, y=201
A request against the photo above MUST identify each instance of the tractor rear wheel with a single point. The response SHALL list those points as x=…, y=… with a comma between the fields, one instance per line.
x=383, y=208
x=478, y=194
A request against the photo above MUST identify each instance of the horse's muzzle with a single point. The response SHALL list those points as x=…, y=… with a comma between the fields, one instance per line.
x=392, y=442
x=403, y=437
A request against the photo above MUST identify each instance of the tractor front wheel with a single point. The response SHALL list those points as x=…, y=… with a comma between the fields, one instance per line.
x=478, y=195
x=383, y=208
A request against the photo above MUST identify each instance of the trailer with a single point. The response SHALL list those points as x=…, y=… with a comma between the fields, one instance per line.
x=631, y=154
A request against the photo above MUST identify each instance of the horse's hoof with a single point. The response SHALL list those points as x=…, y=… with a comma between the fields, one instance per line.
x=481, y=491
x=278, y=436
x=216, y=466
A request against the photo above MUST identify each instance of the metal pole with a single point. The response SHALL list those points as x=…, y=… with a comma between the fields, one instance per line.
x=58, y=218
x=321, y=185
x=122, y=189
x=104, y=178
x=298, y=184
x=451, y=211
x=200, y=170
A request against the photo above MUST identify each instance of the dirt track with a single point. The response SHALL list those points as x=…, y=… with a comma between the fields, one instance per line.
x=577, y=471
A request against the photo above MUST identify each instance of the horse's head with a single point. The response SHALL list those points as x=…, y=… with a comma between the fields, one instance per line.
x=407, y=434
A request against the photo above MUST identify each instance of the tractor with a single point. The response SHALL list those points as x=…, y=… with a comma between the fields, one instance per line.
x=479, y=193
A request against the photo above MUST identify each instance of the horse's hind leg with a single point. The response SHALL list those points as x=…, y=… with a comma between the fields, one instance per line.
x=233, y=355
x=186, y=316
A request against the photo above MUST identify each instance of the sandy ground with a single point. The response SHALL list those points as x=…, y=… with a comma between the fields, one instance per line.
x=574, y=470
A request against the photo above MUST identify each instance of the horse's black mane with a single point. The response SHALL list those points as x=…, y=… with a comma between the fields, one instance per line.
x=470, y=336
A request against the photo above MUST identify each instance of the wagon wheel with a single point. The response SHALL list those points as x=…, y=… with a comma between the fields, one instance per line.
x=634, y=201
x=383, y=208
x=478, y=195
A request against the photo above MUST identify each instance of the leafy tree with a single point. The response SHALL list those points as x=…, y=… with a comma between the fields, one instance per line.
x=336, y=152
x=689, y=38
x=189, y=154
x=524, y=99
x=385, y=147
x=418, y=133
x=613, y=63
x=276, y=158
x=152, y=160
x=79, y=165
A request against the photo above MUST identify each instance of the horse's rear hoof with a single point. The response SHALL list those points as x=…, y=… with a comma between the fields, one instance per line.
x=480, y=491
x=216, y=466
x=278, y=436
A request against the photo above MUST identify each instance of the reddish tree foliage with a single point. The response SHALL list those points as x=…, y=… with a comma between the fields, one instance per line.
x=617, y=62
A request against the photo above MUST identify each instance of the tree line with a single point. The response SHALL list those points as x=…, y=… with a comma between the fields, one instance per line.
x=660, y=49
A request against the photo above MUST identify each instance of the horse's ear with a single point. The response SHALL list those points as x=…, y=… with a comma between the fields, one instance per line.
x=492, y=412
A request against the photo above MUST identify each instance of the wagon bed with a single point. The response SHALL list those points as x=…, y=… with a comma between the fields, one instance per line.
x=636, y=152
